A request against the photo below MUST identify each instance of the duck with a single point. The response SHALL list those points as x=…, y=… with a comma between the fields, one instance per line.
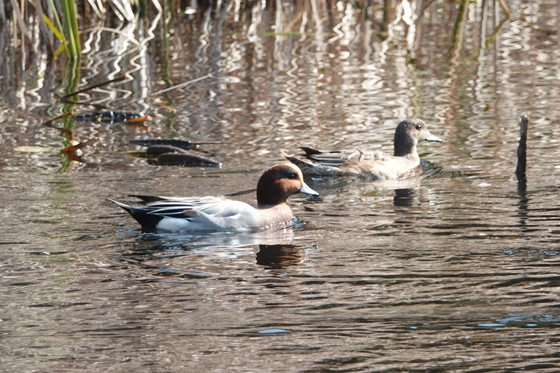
x=186, y=214
x=374, y=165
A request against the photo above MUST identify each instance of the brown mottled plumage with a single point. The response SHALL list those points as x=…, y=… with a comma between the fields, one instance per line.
x=371, y=165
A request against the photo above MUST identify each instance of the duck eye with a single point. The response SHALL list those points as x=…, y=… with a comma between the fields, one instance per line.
x=418, y=126
x=290, y=175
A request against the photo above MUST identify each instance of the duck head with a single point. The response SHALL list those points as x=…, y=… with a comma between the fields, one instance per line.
x=279, y=182
x=409, y=133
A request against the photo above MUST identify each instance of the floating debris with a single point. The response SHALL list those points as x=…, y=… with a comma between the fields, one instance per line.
x=273, y=331
x=34, y=149
x=161, y=152
x=48, y=122
x=107, y=117
x=492, y=325
x=183, y=144
x=156, y=150
x=73, y=152
x=141, y=119
x=111, y=117
x=186, y=160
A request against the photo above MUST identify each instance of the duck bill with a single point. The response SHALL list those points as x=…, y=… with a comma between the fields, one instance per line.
x=307, y=190
x=431, y=137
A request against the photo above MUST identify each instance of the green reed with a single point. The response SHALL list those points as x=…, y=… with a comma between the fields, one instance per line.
x=73, y=45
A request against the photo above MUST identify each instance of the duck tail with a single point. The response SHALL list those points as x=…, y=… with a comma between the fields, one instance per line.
x=125, y=207
x=148, y=221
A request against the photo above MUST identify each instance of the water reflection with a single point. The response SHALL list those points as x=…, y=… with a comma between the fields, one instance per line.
x=280, y=256
x=404, y=197
x=453, y=271
x=175, y=254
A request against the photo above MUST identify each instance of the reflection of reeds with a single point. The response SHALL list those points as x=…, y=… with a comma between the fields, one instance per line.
x=335, y=69
x=72, y=79
x=59, y=19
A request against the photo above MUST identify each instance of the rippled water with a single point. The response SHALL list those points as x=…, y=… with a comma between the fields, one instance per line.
x=456, y=272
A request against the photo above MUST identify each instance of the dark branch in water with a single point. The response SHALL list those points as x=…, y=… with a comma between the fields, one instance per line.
x=521, y=170
x=182, y=85
x=505, y=8
x=95, y=86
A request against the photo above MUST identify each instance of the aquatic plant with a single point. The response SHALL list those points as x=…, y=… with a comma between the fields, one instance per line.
x=56, y=22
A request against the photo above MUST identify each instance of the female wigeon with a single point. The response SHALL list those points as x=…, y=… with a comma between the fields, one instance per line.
x=373, y=165
x=172, y=214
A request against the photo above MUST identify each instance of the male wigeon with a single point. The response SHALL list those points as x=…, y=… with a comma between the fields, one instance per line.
x=175, y=214
x=373, y=165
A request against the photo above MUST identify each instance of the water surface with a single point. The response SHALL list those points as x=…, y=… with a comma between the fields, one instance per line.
x=454, y=273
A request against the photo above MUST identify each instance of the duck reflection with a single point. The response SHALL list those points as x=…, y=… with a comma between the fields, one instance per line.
x=405, y=197
x=205, y=255
x=280, y=256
